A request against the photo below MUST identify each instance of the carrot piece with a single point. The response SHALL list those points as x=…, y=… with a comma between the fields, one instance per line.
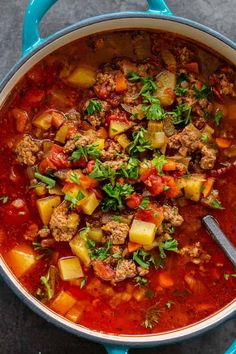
x=165, y=280
x=102, y=133
x=223, y=143
x=193, y=67
x=169, y=166
x=198, y=85
x=121, y=83
x=133, y=246
x=21, y=119
x=207, y=186
x=58, y=119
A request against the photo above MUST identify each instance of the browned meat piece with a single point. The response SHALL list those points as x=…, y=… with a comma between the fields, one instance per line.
x=107, y=81
x=111, y=150
x=125, y=269
x=61, y=174
x=31, y=233
x=172, y=216
x=103, y=271
x=116, y=164
x=196, y=253
x=208, y=158
x=82, y=140
x=63, y=223
x=44, y=232
x=174, y=142
x=184, y=55
x=212, y=200
x=98, y=117
x=72, y=114
x=168, y=127
x=118, y=232
x=190, y=138
x=27, y=151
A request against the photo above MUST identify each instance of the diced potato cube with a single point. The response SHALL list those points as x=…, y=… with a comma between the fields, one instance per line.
x=166, y=83
x=83, y=76
x=41, y=190
x=154, y=127
x=78, y=247
x=123, y=140
x=95, y=234
x=100, y=143
x=73, y=220
x=168, y=58
x=142, y=232
x=43, y=121
x=45, y=207
x=90, y=204
x=73, y=190
x=61, y=133
x=20, y=259
x=62, y=303
x=70, y=268
x=117, y=127
x=75, y=312
x=158, y=140
x=193, y=187
x=47, y=145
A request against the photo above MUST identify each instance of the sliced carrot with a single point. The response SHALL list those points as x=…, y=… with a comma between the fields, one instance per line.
x=223, y=143
x=121, y=83
x=207, y=186
x=165, y=280
x=193, y=67
x=169, y=166
x=102, y=133
x=133, y=246
x=58, y=119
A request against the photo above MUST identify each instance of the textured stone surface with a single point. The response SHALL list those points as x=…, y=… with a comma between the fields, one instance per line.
x=23, y=332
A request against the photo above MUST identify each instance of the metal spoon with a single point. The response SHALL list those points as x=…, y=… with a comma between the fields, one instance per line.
x=215, y=231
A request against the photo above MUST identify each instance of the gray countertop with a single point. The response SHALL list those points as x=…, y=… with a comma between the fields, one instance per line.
x=21, y=331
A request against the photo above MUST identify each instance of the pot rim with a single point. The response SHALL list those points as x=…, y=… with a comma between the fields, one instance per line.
x=132, y=340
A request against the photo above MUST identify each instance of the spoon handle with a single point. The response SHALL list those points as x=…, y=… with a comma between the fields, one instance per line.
x=215, y=231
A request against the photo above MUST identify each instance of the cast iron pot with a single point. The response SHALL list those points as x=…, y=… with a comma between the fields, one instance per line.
x=157, y=16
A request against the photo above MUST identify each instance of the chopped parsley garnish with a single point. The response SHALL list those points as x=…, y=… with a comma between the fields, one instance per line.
x=101, y=253
x=141, y=281
x=218, y=117
x=168, y=245
x=114, y=195
x=180, y=91
x=93, y=106
x=227, y=276
x=204, y=92
x=133, y=77
x=74, y=200
x=215, y=204
x=74, y=177
x=148, y=86
x=140, y=143
x=159, y=162
x=83, y=282
x=152, y=316
x=89, y=150
x=49, y=281
x=204, y=138
x=131, y=170
x=84, y=232
x=101, y=172
x=144, y=259
x=181, y=114
x=152, y=107
x=4, y=199
x=47, y=180
x=169, y=304
x=144, y=203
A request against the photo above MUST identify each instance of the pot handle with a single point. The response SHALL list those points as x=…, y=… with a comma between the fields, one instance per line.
x=231, y=349
x=36, y=9
x=116, y=350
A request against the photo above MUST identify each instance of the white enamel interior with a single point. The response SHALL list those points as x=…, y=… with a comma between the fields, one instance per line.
x=108, y=25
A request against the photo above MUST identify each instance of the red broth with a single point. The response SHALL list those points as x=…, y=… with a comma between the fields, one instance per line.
x=186, y=285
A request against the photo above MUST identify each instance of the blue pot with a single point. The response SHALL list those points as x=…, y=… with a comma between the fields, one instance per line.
x=157, y=16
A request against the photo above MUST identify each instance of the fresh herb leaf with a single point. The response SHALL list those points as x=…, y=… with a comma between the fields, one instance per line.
x=204, y=138
x=218, y=117
x=152, y=107
x=144, y=203
x=181, y=77
x=204, y=92
x=180, y=91
x=114, y=195
x=49, y=281
x=138, y=258
x=43, y=251
x=148, y=86
x=169, y=304
x=47, y=180
x=4, y=199
x=131, y=170
x=74, y=200
x=141, y=281
x=152, y=316
x=168, y=245
x=227, y=276
x=159, y=162
x=74, y=177
x=89, y=150
x=133, y=77
x=101, y=172
x=166, y=188
x=145, y=259
x=215, y=204
x=117, y=255
x=101, y=253
x=84, y=232
x=83, y=282
x=93, y=106
x=140, y=143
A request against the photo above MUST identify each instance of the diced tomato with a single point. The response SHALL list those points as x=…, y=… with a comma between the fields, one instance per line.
x=82, y=163
x=32, y=98
x=133, y=201
x=118, y=116
x=84, y=181
x=147, y=173
x=154, y=184
x=72, y=132
x=152, y=214
x=90, y=166
x=55, y=159
x=173, y=190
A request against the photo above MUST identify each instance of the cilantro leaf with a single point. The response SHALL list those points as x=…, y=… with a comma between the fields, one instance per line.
x=140, y=143
x=101, y=253
x=152, y=107
x=89, y=150
x=204, y=92
x=101, y=172
x=114, y=196
x=168, y=245
x=93, y=106
x=133, y=77
x=74, y=200
x=131, y=170
x=218, y=117
x=47, y=180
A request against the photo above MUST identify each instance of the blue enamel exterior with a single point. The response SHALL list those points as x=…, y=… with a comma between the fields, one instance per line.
x=32, y=42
